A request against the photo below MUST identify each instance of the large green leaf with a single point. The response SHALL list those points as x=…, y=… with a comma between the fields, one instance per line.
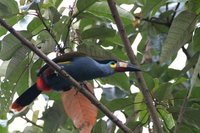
x=98, y=33
x=3, y=129
x=17, y=80
x=151, y=5
x=102, y=9
x=16, y=59
x=10, y=45
x=35, y=26
x=120, y=80
x=84, y=4
x=119, y=104
x=8, y=8
x=167, y=117
x=194, y=5
x=180, y=33
x=95, y=51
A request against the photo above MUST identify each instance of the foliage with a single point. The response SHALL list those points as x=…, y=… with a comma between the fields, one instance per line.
x=165, y=27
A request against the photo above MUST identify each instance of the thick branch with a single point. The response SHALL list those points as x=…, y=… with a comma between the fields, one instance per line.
x=139, y=76
x=52, y=64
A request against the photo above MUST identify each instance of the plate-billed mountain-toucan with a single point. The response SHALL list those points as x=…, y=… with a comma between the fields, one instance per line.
x=80, y=66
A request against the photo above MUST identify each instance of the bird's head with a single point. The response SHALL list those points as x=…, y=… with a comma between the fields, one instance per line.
x=120, y=66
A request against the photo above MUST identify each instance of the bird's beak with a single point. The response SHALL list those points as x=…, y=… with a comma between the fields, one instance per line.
x=124, y=66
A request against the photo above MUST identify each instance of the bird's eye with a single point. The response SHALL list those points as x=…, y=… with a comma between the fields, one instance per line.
x=113, y=64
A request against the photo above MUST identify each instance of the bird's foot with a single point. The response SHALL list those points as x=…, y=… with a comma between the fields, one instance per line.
x=85, y=85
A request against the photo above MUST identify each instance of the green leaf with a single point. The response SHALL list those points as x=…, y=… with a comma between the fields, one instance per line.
x=53, y=14
x=16, y=59
x=196, y=40
x=102, y=9
x=84, y=4
x=53, y=118
x=8, y=8
x=16, y=81
x=191, y=62
x=35, y=26
x=119, y=104
x=180, y=33
x=151, y=5
x=3, y=129
x=95, y=51
x=10, y=44
x=100, y=127
x=167, y=117
x=194, y=76
x=10, y=21
x=194, y=5
x=32, y=129
x=98, y=33
x=120, y=80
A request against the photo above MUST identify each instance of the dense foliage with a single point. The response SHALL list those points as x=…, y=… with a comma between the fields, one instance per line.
x=164, y=27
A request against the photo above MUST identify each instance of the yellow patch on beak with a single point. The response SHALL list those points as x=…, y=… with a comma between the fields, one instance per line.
x=123, y=64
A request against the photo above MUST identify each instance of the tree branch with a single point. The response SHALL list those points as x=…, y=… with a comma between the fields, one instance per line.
x=52, y=64
x=181, y=112
x=139, y=76
x=152, y=21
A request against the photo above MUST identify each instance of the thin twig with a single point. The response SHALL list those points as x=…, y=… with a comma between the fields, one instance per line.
x=65, y=75
x=72, y=16
x=27, y=120
x=173, y=16
x=186, y=53
x=48, y=29
x=181, y=112
x=152, y=21
x=141, y=82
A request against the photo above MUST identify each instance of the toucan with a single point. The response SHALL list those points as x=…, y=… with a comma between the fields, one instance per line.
x=80, y=66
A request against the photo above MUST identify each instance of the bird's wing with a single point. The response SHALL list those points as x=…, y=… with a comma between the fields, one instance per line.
x=62, y=59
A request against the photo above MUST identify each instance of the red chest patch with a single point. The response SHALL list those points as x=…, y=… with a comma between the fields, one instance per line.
x=41, y=85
